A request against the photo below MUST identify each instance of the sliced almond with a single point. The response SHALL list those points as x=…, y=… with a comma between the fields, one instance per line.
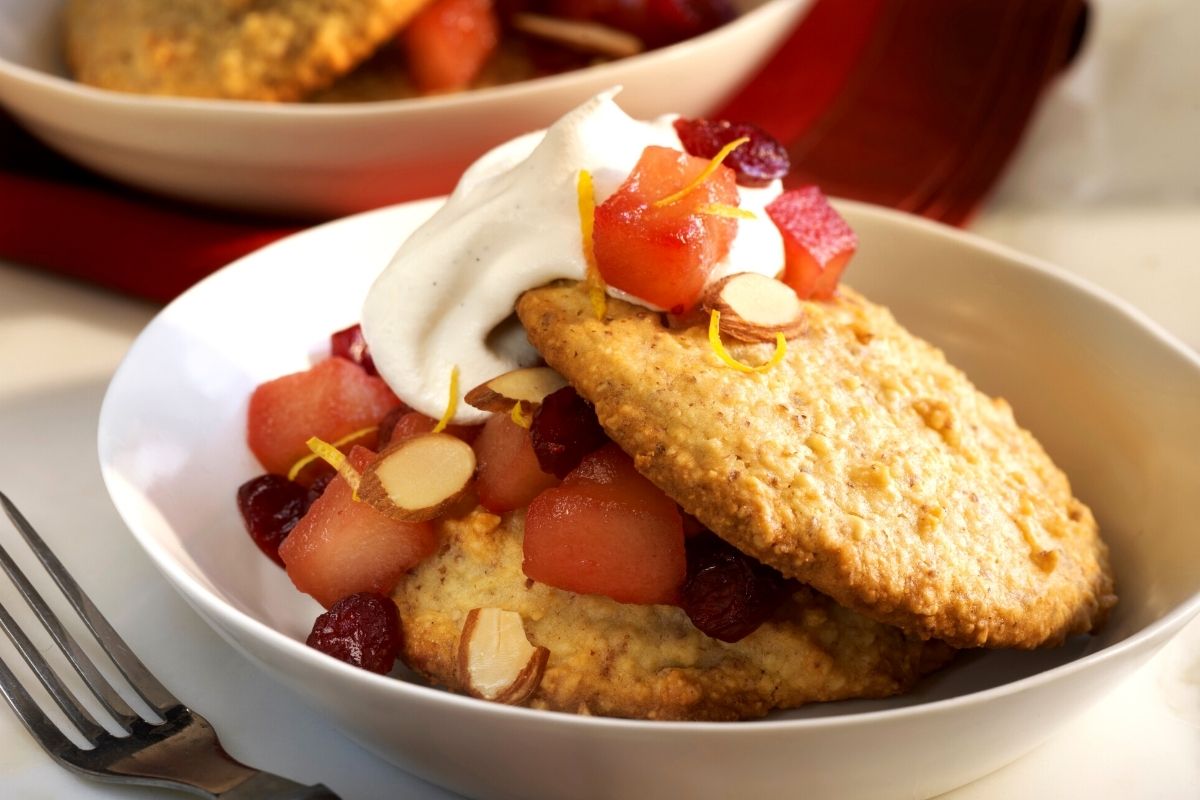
x=754, y=307
x=418, y=478
x=495, y=658
x=529, y=385
x=586, y=37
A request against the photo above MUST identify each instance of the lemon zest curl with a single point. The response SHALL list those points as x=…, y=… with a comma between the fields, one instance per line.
x=518, y=416
x=338, y=445
x=723, y=210
x=336, y=459
x=451, y=402
x=714, y=339
x=721, y=155
x=597, y=291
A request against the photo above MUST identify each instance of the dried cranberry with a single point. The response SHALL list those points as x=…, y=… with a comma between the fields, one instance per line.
x=727, y=594
x=271, y=505
x=756, y=163
x=362, y=629
x=564, y=430
x=317, y=487
x=676, y=20
x=350, y=345
x=691, y=525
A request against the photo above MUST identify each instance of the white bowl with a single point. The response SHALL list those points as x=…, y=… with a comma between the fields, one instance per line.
x=1110, y=395
x=331, y=160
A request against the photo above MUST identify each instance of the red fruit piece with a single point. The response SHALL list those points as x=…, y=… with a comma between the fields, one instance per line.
x=414, y=423
x=508, y=474
x=350, y=345
x=271, y=505
x=362, y=629
x=564, y=429
x=817, y=242
x=388, y=424
x=664, y=254
x=331, y=400
x=756, y=162
x=448, y=43
x=607, y=530
x=727, y=594
x=342, y=546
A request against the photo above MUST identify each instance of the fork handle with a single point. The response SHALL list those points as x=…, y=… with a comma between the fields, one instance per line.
x=265, y=786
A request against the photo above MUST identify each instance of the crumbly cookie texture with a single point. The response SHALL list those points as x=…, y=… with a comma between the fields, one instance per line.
x=236, y=49
x=863, y=464
x=646, y=661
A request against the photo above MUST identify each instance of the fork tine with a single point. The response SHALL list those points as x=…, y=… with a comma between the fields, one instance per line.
x=139, y=677
x=112, y=702
x=31, y=715
x=78, y=715
x=181, y=752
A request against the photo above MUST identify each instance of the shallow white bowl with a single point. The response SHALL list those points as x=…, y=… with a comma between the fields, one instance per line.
x=1110, y=395
x=331, y=160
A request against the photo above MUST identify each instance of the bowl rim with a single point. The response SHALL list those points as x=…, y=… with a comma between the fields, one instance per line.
x=610, y=72
x=213, y=607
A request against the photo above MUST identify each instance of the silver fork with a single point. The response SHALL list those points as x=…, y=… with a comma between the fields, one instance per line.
x=180, y=752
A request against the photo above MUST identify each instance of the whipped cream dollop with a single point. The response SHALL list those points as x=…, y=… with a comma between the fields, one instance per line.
x=512, y=224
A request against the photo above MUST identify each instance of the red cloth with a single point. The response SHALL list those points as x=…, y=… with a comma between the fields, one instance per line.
x=915, y=104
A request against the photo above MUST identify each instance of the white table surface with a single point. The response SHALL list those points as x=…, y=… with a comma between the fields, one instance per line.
x=1107, y=185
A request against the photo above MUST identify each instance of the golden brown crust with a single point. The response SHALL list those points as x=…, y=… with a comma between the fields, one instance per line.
x=646, y=661
x=237, y=49
x=863, y=464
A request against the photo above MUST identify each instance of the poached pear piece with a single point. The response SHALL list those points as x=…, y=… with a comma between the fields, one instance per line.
x=863, y=464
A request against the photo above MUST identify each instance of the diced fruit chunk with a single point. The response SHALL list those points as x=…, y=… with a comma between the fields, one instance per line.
x=387, y=425
x=362, y=629
x=343, y=546
x=817, y=242
x=448, y=43
x=330, y=400
x=607, y=530
x=414, y=423
x=509, y=475
x=664, y=253
x=756, y=162
x=564, y=429
x=727, y=594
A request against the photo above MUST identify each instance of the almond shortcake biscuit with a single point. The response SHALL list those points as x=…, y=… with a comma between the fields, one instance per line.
x=862, y=464
x=238, y=49
x=645, y=661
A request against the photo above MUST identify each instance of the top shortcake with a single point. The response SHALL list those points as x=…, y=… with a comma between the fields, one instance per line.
x=862, y=464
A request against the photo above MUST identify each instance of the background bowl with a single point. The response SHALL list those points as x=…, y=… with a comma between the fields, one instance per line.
x=1111, y=397
x=331, y=160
